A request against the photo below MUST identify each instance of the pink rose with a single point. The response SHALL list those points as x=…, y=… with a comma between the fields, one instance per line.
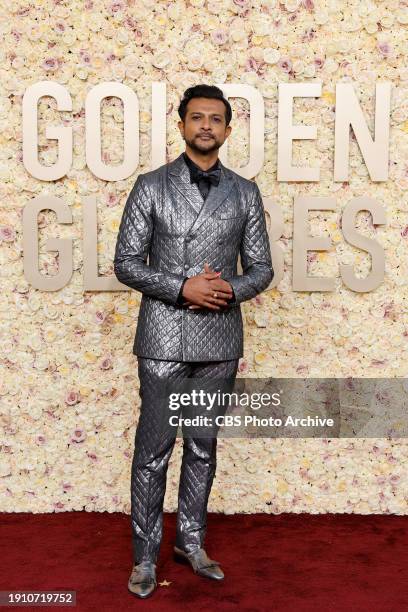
x=72, y=398
x=251, y=65
x=100, y=316
x=219, y=37
x=106, y=363
x=85, y=57
x=384, y=48
x=112, y=200
x=116, y=6
x=7, y=233
x=243, y=366
x=51, y=63
x=78, y=436
x=308, y=4
x=285, y=64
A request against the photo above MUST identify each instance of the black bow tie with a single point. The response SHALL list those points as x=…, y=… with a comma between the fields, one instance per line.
x=213, y=176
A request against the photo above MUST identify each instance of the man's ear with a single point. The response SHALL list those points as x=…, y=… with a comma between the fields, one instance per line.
x=181, y=127
x=227, y=131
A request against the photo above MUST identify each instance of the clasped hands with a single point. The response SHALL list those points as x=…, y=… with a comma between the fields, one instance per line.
x=207, y=290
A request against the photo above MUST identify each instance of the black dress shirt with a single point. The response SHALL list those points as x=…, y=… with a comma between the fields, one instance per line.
x=203, y=184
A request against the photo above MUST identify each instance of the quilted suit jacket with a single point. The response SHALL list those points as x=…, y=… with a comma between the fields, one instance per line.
x=167, y=223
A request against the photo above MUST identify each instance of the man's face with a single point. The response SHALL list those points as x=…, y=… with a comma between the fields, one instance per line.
x=204, y=128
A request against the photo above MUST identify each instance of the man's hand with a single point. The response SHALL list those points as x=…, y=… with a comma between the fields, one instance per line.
x=207, y=290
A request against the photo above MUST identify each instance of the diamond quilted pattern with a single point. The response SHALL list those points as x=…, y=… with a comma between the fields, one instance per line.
x=154, y=443
x=166, y=223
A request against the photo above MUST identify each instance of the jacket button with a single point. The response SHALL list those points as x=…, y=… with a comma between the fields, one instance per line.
x=186, y=266
x=220, y=241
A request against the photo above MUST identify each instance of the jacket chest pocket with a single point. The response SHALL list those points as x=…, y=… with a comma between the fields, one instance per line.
x=228, y=224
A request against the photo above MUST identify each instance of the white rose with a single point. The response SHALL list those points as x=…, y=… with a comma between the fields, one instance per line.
x=34, y=342
x=173, y=11
x=261, y=26
x=331, y=65
x=96, y=22
x=5, y=468
x=195, y=61
x=321, y=17
x=310, y=70
x=238, y=34
x=81, y=73
x=351, y=25
x=387, y=20
x=69, y=38
x=292, y=5
x=117, y=72
x=34, y=302
x=251, y=78
x=161, y=59
x=261, y=319
x=298, y=66
x=371, y=27
x=41, y=362
x=271, y=56
x=219, y=75
x=402, y=16
x=122, y=37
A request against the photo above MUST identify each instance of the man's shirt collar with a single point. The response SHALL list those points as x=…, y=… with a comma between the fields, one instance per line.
x=192, y=164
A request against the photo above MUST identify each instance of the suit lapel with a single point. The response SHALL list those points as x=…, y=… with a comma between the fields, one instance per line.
x=179, y=175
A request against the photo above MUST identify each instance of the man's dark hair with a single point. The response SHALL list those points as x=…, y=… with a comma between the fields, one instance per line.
x=204, y=91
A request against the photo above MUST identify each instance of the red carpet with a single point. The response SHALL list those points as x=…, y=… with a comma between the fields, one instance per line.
x=286, y=562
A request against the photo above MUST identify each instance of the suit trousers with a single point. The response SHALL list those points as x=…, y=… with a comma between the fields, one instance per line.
x=154, y=443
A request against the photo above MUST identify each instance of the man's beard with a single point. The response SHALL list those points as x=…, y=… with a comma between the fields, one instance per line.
x=194, y=144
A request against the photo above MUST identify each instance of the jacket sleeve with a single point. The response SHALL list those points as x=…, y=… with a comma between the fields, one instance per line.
x=132, y=249
x=255, y=254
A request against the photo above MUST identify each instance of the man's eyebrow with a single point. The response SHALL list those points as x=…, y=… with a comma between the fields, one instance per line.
x=212, y=114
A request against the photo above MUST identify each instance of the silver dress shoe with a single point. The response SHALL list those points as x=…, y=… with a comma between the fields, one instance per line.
x=142, y=581
x=200, y=562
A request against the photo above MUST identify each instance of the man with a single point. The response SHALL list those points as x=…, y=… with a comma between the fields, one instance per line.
x=191, y=217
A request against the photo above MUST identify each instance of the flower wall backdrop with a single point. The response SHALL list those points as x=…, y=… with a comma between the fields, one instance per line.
x=69, y=386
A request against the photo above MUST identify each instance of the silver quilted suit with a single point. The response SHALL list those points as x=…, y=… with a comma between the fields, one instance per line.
x=168, y=232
